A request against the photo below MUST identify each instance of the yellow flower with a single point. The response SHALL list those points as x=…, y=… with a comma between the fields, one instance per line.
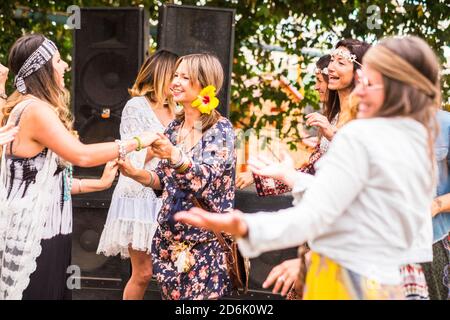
x=206, y=101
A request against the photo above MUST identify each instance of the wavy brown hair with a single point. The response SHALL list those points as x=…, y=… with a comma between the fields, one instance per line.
x=42, y=84
x=359, y=49
x=204, y=69
x=323, y=63
x=154, y=77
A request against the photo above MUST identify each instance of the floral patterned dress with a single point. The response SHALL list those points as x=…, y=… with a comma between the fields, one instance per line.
x=211, y=180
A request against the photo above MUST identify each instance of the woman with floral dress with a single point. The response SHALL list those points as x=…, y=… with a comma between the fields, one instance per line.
x=197, y=167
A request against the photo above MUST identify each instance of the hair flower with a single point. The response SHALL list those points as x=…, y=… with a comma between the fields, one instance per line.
x=322, y=71
x=206, y=101
x=346, y=55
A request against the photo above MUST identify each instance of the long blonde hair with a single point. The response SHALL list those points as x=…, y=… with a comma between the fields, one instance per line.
x=203, y=69
x=42, y=84
x=154, y=76
x=420, y=101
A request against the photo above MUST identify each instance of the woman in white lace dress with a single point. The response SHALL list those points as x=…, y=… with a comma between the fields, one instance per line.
x=131, y=220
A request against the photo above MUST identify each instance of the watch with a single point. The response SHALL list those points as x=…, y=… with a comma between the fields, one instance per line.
x=3, y=96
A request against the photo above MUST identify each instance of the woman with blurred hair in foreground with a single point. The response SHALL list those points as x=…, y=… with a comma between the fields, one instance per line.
x=367, y=211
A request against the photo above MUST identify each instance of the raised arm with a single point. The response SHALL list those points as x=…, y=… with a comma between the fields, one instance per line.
x=45, y=128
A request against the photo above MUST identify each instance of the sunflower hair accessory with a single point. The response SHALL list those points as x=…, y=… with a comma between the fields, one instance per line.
x=206, y=100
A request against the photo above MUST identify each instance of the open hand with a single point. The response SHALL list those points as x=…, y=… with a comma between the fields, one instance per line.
x=126, y=168
x=244, y=179
x=232, y=223
x=283, y=276
x=109, y=173
x=163, y=148
x=266, y=167
x=318, y=120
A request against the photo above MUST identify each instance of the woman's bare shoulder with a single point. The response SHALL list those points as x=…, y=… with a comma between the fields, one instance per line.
x=39, y=109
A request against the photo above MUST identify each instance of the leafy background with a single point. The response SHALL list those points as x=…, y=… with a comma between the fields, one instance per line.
x=301, y=29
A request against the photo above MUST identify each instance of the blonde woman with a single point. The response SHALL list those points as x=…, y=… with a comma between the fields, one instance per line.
x=198, y=166
x=367, y=211
x=131, y=220
x=36, y=175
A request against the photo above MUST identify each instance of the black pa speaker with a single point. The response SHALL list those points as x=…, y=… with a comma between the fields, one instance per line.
x=108, y=50
x=188, y=29
x=248, y=201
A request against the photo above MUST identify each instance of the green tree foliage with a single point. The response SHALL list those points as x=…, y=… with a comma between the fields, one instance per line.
x=291, y=25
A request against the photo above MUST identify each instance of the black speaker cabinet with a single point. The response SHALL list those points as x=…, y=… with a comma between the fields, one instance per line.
x=249, y=202
x=108, y=51
x=188, y=29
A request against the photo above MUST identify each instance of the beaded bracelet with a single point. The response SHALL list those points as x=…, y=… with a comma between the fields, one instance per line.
x=139, y=147
x=122, y=149
x=68, y=180
x=152, y=179
x=187, y=164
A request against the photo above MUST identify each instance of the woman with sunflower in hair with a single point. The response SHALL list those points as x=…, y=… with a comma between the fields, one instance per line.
x=197, y=168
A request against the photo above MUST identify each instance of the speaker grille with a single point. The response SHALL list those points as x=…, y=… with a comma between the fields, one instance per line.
x=187, y=29
x=109, y=49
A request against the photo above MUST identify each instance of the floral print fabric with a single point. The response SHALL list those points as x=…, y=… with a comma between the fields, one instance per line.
x=211, y=180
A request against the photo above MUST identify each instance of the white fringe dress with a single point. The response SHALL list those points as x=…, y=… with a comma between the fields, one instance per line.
x=134, y=208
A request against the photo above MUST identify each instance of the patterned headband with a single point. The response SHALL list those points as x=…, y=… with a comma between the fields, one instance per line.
x=34, y=62
x=346, y=55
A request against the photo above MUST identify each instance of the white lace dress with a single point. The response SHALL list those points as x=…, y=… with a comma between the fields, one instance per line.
x=134, y=208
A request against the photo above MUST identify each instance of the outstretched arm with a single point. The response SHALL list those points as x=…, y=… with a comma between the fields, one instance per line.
x=324, y=201
x=94, y=185
x=147, y=178
x=45, y=128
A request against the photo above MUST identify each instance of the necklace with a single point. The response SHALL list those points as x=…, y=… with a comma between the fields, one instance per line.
x=182, y=141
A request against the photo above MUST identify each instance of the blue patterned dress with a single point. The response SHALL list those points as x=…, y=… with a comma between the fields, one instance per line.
x=211, y=181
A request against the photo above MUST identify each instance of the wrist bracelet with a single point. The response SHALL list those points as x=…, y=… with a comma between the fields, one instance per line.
x=139, y=147
x=152, y=179
x=180, y=161
x=187, y=164
x=122, y=149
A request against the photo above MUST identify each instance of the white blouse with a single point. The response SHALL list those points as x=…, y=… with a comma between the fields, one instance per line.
x=368, y=207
